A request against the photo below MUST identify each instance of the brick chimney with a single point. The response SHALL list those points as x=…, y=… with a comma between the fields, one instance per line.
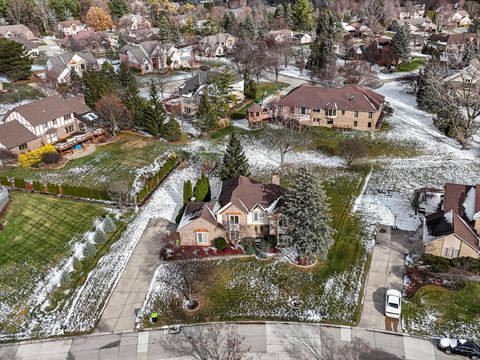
x=275, y=179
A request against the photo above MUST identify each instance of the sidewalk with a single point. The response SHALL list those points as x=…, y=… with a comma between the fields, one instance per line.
x=266, y=341
x=129, y=294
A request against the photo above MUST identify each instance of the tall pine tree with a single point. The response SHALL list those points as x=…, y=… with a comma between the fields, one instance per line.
x=118, y=8
x=207, y=115
x=14, y=60
x=164, y=29
x=401, y=43
x=202, y=189
x=172, y=130
x=306, y=217
x=187, y=191
x=154, y=113
x=235, y=162
x=302, y=13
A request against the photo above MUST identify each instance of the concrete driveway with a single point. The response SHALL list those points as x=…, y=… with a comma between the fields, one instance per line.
x=386, y=272
x=130, y=292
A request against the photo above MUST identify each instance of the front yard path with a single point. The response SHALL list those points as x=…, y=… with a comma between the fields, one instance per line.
x=129, y=294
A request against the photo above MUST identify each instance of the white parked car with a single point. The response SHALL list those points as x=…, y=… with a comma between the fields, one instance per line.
x=393, y=304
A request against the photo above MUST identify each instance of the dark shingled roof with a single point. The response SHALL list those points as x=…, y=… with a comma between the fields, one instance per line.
x=351, y=98
x=453, y=39
x=13, y=134
x=243, y=192
x=192, y=84
x=197, y=210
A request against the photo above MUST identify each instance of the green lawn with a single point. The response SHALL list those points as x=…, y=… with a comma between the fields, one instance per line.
x=328, y=141
x=23, y=92
x=112, y=162
x=37, y=236
x=436, y=311
x=412, y=65
x=250, y=289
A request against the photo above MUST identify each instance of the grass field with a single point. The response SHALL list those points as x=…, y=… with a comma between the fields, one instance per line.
x=412, y=65
x=112, y=162
x=251, y=289
x=37, y=236
x=23, y=92
x=436, y=311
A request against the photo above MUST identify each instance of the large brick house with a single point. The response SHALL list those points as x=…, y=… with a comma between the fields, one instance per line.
x=453, y=230
x=150, y=56
x=46, y=121
x=244, y=208
x=348, y=107
x=61, y=66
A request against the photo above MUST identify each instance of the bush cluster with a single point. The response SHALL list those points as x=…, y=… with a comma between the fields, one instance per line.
x=153, y=182
x=220, y=243
x=36, y=156
x=84, y=192
x=441, y=264
x=249, y=246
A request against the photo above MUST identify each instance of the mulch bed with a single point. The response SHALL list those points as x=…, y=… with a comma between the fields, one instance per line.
x=420, y=277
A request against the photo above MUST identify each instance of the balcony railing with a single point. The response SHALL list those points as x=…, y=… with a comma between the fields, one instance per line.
x=78, y=139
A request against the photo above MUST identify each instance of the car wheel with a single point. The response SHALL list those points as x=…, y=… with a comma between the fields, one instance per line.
x=474, y=357
x=448, y=352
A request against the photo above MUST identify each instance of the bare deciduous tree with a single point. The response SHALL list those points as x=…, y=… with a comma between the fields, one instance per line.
x=162, y=79
x=120, y=192
x=456, y=101
x=212, y=342
x=7, y=156
x=113, y=113
x=351, y=150
x=309, y=343
x=17, y=10
x=188, y=277
x=359, y=73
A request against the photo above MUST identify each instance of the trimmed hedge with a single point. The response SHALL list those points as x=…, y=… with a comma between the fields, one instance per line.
x=153, y=182
x=37, y=186
x=220, y=243
x=84, y=192
x=5, y=181
x=19, y=183
x=53, y=188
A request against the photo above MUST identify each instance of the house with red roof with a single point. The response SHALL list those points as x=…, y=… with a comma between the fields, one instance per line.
x=244, y=208
x=453, y=231
x=348, y=107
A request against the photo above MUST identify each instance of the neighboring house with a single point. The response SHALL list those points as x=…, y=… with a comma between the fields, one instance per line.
x=69, y=27
x=60, y=67
x=411, y=12
x=447, y=44
x=191, y=91
x=134, y=26
x=245, y=208
x=302, y=38
x=30, y=46
x=349, y=107
x=9, y=31
x=4, y=199
x=86, y=41
x=415, y=25
x=452, y=231
x=468, y=75
x=40, y=122
x=150, y=56
x=279, y=36
x=216, y=45
x=459, y=18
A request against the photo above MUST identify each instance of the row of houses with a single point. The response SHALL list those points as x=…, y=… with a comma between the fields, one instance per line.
x=46, y=121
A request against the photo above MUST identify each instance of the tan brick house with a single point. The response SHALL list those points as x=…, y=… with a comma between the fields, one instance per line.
x=453, y=231
x=244, y=208
x=348, y=107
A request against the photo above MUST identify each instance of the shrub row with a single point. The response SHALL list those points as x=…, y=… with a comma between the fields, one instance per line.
x=75, y=191
x=439, y=264
x=153, y=182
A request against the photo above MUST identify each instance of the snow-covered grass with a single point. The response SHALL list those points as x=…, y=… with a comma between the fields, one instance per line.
x=437, y=312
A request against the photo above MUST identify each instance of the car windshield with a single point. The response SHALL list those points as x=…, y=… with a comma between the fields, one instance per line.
x=393, y=305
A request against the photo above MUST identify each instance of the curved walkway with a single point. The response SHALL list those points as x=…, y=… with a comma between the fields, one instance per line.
x=267, y=341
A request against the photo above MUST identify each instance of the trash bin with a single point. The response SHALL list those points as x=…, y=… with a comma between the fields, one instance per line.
x=154, y=317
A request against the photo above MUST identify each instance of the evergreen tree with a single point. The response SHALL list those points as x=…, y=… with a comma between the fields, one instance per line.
x=228, y=21
x=164, y=29
x=250, y=89
x=475, y=25
x=288, y=15
x=125, y=75
x=99, y=237
x=207, y=115
x=176, y=34
x=14, y=60
x=172, y=130
x=401, y=43
x=89, y=250
x=135, y=103
x=426, y=96
x=75, y=83
x=322, y=60
x=109, y=71
x=118, y=8
x=154, y=113
x=302, y=13
x=108, y=225
x=187, y=191
x=95, y=85
x=220, y=89
x=235, y=162
x=202, y=189
x=248, y=28
x=306, y=217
